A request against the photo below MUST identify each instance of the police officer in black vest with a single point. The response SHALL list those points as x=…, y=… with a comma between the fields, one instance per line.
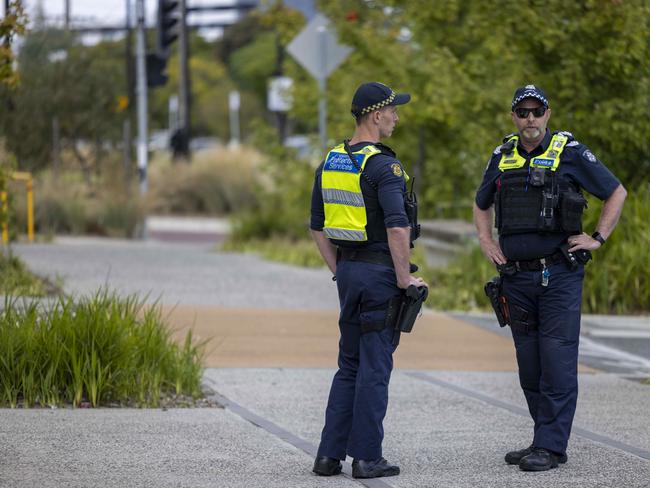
x=534, y=182
x=361, y=227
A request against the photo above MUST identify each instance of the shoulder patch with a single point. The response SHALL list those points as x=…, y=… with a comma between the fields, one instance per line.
x=589, y=156
x=397, y=169
x=573, y=144
x=497, y=150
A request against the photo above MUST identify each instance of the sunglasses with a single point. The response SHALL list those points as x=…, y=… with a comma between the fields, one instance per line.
x=522, y=113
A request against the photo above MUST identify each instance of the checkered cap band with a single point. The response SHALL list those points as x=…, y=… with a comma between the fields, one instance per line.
x=529, y=94
x=379, y=105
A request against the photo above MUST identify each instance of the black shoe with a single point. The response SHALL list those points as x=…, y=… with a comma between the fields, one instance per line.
x=377, y=468
x=514, y=457
x=539, y=460
x=327, y=466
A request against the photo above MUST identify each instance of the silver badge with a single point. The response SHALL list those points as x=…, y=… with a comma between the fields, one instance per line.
x=589, y=156
x=552, y=154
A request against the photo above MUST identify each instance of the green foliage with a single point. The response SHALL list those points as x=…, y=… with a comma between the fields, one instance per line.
x=297, y=252
x=99, y=349
x=218, y=182
x=67, y=203
x=13, y=23
x=282, y=209
x=459, y=285
x=462, y=62
x=16, y=279
x=80, y=90
x=618, y=280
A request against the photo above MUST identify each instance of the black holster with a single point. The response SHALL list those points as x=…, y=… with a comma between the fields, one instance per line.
x=508, y=314
x=404, y=310
x=499, y=303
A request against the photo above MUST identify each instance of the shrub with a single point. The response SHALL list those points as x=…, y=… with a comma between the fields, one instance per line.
x=98, y=349
x=217, y=182
x=283, y=203
x=66, y=203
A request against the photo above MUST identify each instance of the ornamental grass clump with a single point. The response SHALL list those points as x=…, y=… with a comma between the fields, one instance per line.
x=96, y=350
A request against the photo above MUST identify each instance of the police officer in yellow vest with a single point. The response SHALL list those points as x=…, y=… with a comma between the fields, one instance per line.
x=360, y=225
x=534, y=181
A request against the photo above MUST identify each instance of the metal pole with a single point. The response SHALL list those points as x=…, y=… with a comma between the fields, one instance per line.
x=56, y=146
x=141, y=93
x=67, y=14
x=234, y=103
x=322, y=85
x=184, y=82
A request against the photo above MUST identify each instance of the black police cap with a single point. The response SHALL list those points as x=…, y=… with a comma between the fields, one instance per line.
x=529, y=91
x=374, y=96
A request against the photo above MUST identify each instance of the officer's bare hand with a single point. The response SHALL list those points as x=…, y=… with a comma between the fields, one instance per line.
x=412, y=281
x=492, y=250
x=583, y=241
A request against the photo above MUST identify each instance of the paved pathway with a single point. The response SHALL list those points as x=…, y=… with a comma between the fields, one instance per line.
x=455, y=405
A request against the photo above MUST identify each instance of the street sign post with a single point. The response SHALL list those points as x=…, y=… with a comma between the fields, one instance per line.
x=318, y=51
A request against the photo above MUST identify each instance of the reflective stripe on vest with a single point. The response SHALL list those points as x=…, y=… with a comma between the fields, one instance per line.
x=550, y=159
x=345, y=210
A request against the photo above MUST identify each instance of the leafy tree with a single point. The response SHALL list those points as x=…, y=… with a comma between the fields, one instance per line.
x=462, y=61
x=13, y=23
x=76, y=84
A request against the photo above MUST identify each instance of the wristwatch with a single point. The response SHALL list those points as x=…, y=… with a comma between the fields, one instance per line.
x=596, y=235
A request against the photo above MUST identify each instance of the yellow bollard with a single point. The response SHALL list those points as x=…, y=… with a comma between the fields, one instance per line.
x=5, y=211
x=30, y=209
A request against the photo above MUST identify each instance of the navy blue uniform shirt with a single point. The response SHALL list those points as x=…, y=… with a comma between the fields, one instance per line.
x=390, y=193
x=578, y=166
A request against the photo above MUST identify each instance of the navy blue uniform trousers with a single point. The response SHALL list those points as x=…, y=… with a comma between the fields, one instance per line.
x=548, y=357
x=359, y=394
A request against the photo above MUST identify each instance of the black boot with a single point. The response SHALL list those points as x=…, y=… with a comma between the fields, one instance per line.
x=326, y=466
x=514, y=457
x=376, y=468
x=539, y=460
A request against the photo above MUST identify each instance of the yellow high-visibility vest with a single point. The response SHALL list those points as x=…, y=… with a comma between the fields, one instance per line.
x=345, y=210
x=550, y=159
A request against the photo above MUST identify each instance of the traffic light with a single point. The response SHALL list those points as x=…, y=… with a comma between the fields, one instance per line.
x=168, y=18
x=156, y=70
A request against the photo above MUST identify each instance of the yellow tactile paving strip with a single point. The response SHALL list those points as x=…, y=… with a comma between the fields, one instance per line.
x=308, y=339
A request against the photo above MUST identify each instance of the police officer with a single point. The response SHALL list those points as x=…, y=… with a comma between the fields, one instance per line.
x=534, y=181
x=361, y=228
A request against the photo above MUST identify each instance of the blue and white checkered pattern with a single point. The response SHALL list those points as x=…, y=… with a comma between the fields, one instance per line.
x=529, y=93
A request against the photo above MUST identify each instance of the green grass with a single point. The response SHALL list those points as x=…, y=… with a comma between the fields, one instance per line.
x=297, y=252
x=101, y=349
x=16, y=279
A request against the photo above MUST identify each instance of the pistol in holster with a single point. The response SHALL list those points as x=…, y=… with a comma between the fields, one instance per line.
x=513, y=315
x=499, y=302
x=404, y=309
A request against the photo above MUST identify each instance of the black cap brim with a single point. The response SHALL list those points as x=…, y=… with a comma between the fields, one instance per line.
x=401, y=99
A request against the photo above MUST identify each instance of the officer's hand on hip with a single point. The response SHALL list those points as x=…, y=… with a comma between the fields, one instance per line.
x=492, y=250
x=583, y=241
x=412, y=281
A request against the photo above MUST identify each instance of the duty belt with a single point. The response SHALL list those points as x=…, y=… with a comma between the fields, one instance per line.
x=373, y=257
x=536, y=264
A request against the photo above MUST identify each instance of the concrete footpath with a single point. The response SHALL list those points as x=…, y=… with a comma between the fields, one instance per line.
x=455, y=405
